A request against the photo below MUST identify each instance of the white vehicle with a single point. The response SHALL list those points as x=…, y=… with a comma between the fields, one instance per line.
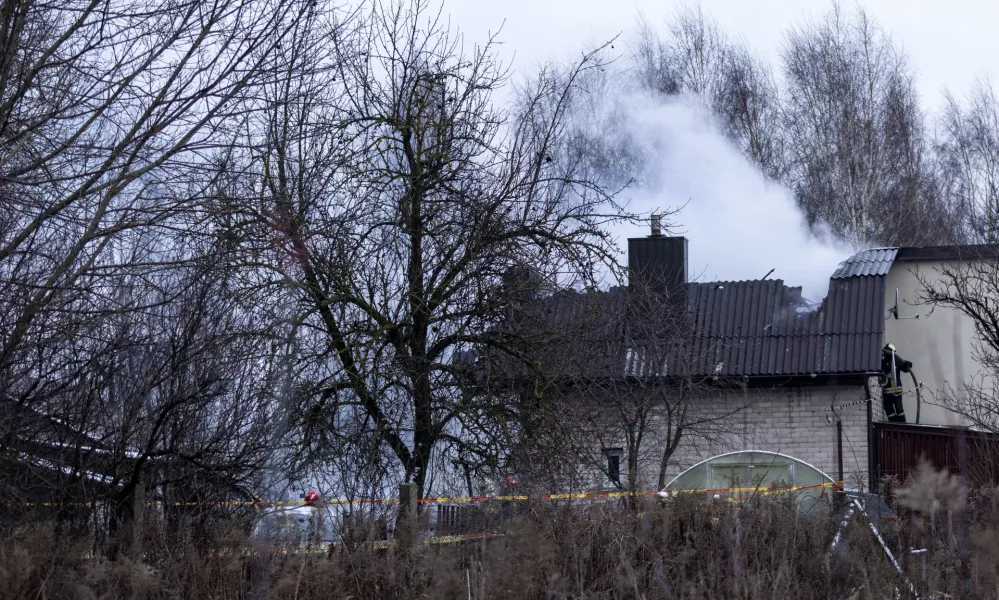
x=308, y=526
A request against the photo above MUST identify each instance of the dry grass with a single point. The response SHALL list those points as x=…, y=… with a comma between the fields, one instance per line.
x=688, y=548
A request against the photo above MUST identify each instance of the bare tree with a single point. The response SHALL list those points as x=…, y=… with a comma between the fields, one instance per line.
x=971, y=286
x=616, y=381
x=969, y=156
x=104, y=105
x=127, y=357
x=855, y=135
x=167, y=399
x=747, y=102
x=393, y=197
x=688, y=59
x=693, y=56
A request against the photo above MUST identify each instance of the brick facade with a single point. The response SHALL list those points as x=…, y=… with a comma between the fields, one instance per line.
x=789, y=420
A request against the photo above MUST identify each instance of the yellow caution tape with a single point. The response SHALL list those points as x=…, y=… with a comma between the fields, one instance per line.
x=466, y=499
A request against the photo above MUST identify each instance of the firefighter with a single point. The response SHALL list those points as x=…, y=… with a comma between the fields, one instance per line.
x=892, y=366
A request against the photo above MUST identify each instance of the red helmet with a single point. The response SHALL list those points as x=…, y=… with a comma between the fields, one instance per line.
x=311, y=497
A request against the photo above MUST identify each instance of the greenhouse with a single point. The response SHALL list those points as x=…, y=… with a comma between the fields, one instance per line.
x=743, y=474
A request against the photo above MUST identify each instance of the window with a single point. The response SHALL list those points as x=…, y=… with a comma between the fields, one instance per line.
x=613, y=466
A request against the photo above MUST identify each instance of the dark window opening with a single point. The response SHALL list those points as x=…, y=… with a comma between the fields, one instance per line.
x=614, y=466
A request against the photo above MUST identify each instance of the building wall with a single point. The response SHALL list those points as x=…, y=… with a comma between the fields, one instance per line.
x=939, y=344
x=791, y=421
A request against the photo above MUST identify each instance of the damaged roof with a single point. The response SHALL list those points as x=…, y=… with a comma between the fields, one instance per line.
x=758, y=328
x=761, y=328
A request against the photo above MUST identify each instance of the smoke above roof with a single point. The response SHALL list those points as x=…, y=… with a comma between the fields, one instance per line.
x=740, y=223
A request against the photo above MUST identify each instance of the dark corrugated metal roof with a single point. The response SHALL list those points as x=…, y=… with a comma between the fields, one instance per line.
x=760, y=328
x=741, y=328
x=875, y=261
x=572, y=333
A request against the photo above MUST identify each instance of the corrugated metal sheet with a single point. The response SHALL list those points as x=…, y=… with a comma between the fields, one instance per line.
x=875, y=261
x=759, y=328
x=572, y=333
x=755, y=328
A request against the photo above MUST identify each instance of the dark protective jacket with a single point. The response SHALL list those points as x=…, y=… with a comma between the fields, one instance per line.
x=892, y=367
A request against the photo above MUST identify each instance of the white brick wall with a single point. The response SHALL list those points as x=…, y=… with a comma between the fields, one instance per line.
x=791, y=421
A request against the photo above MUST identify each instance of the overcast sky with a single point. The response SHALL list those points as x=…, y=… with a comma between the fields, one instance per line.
x=949, y=42
x=731, y=216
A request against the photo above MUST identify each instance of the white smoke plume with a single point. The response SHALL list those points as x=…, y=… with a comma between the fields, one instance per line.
x=739, y=224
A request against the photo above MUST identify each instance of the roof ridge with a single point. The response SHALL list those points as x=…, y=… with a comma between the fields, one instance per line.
x=733, y=281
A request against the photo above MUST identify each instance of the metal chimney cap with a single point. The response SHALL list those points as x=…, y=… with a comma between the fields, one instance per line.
x=657, y=229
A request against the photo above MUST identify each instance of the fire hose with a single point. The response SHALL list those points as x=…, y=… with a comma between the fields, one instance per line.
x=915, y=382
x=919, y=396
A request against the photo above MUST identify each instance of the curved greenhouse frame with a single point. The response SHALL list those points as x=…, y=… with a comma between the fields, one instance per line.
x=736, y=475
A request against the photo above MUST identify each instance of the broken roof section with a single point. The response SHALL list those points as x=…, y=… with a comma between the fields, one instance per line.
x=756, y=329
x=762, y=328
x=752, y=328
